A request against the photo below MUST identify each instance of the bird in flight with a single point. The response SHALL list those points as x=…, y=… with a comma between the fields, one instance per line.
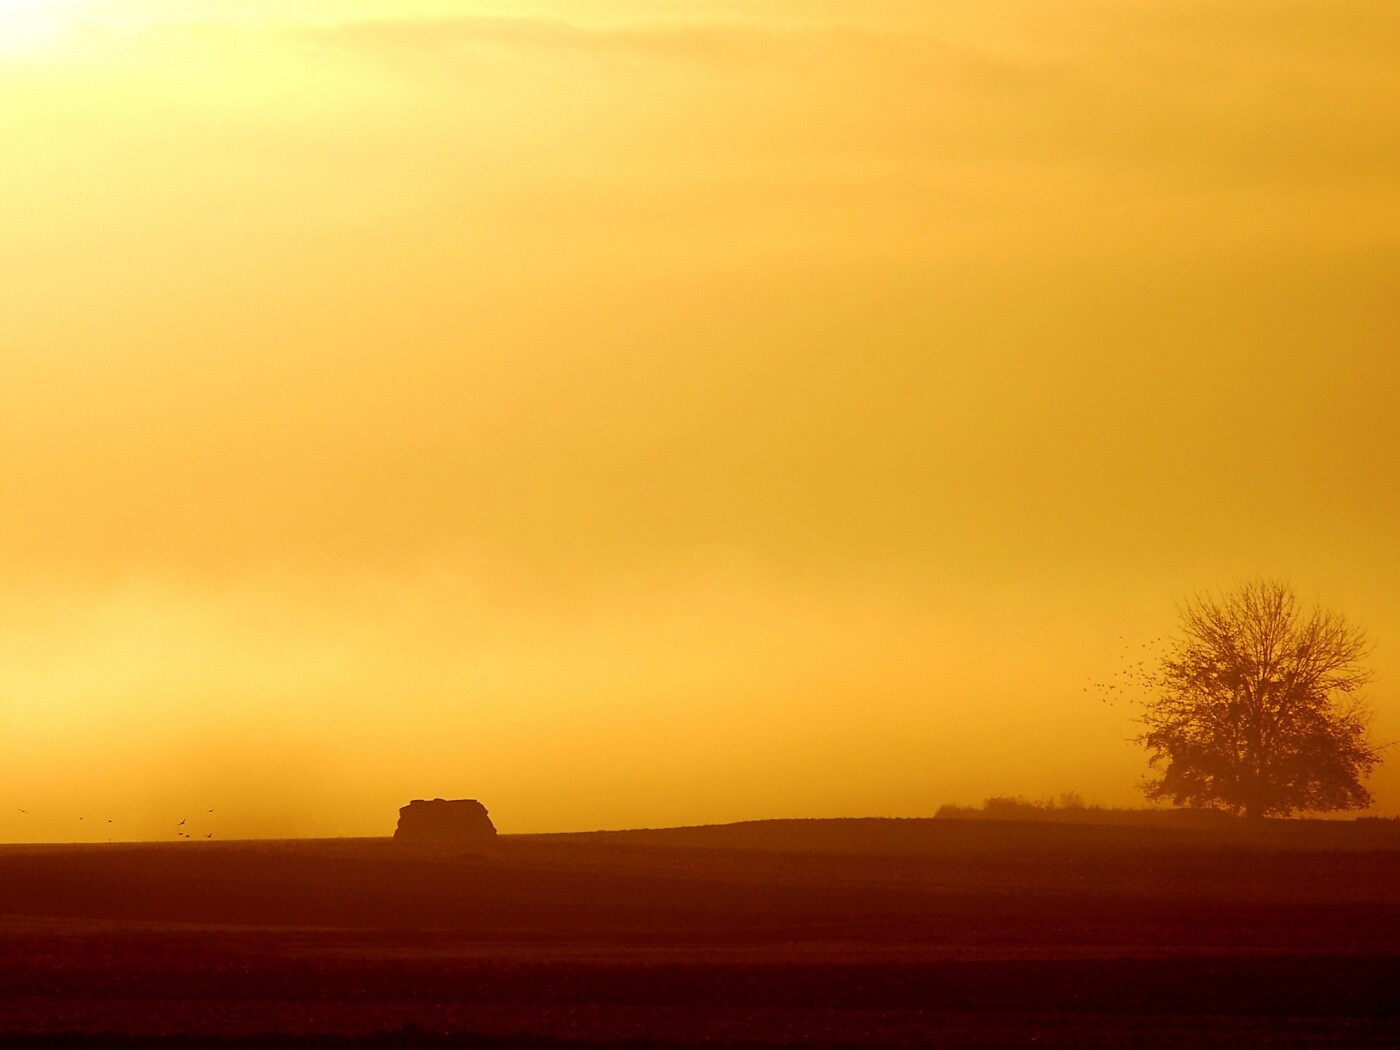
x=25, y=812
x=182, y=823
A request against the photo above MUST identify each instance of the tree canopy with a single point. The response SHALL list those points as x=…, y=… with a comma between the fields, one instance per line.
x=1258, y=707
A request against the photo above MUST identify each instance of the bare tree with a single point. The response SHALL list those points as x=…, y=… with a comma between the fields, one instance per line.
x=1257, y=707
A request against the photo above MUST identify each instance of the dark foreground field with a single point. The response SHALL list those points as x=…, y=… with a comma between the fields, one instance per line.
x=849, y=933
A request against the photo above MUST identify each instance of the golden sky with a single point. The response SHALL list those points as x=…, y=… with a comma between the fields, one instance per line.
x=667, y=412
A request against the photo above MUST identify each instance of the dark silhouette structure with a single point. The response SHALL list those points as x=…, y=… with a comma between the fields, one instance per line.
x=445, y=820
x=1257, y=708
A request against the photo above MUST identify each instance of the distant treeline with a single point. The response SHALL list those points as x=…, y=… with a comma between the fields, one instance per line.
x=1070, y=808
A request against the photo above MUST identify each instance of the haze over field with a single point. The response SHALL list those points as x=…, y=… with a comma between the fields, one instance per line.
x=661, y=413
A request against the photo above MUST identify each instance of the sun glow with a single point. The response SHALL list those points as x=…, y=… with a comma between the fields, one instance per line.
x=17, y=12
x=28, y=27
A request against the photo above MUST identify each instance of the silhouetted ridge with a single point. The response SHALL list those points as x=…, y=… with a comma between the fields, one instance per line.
x=960, y=833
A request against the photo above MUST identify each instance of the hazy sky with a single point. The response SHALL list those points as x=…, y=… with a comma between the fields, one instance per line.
x=668, y=412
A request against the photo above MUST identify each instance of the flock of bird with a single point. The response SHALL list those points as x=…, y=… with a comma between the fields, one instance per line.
x=1134, y=675
x=180, y=833
x=185, y=834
